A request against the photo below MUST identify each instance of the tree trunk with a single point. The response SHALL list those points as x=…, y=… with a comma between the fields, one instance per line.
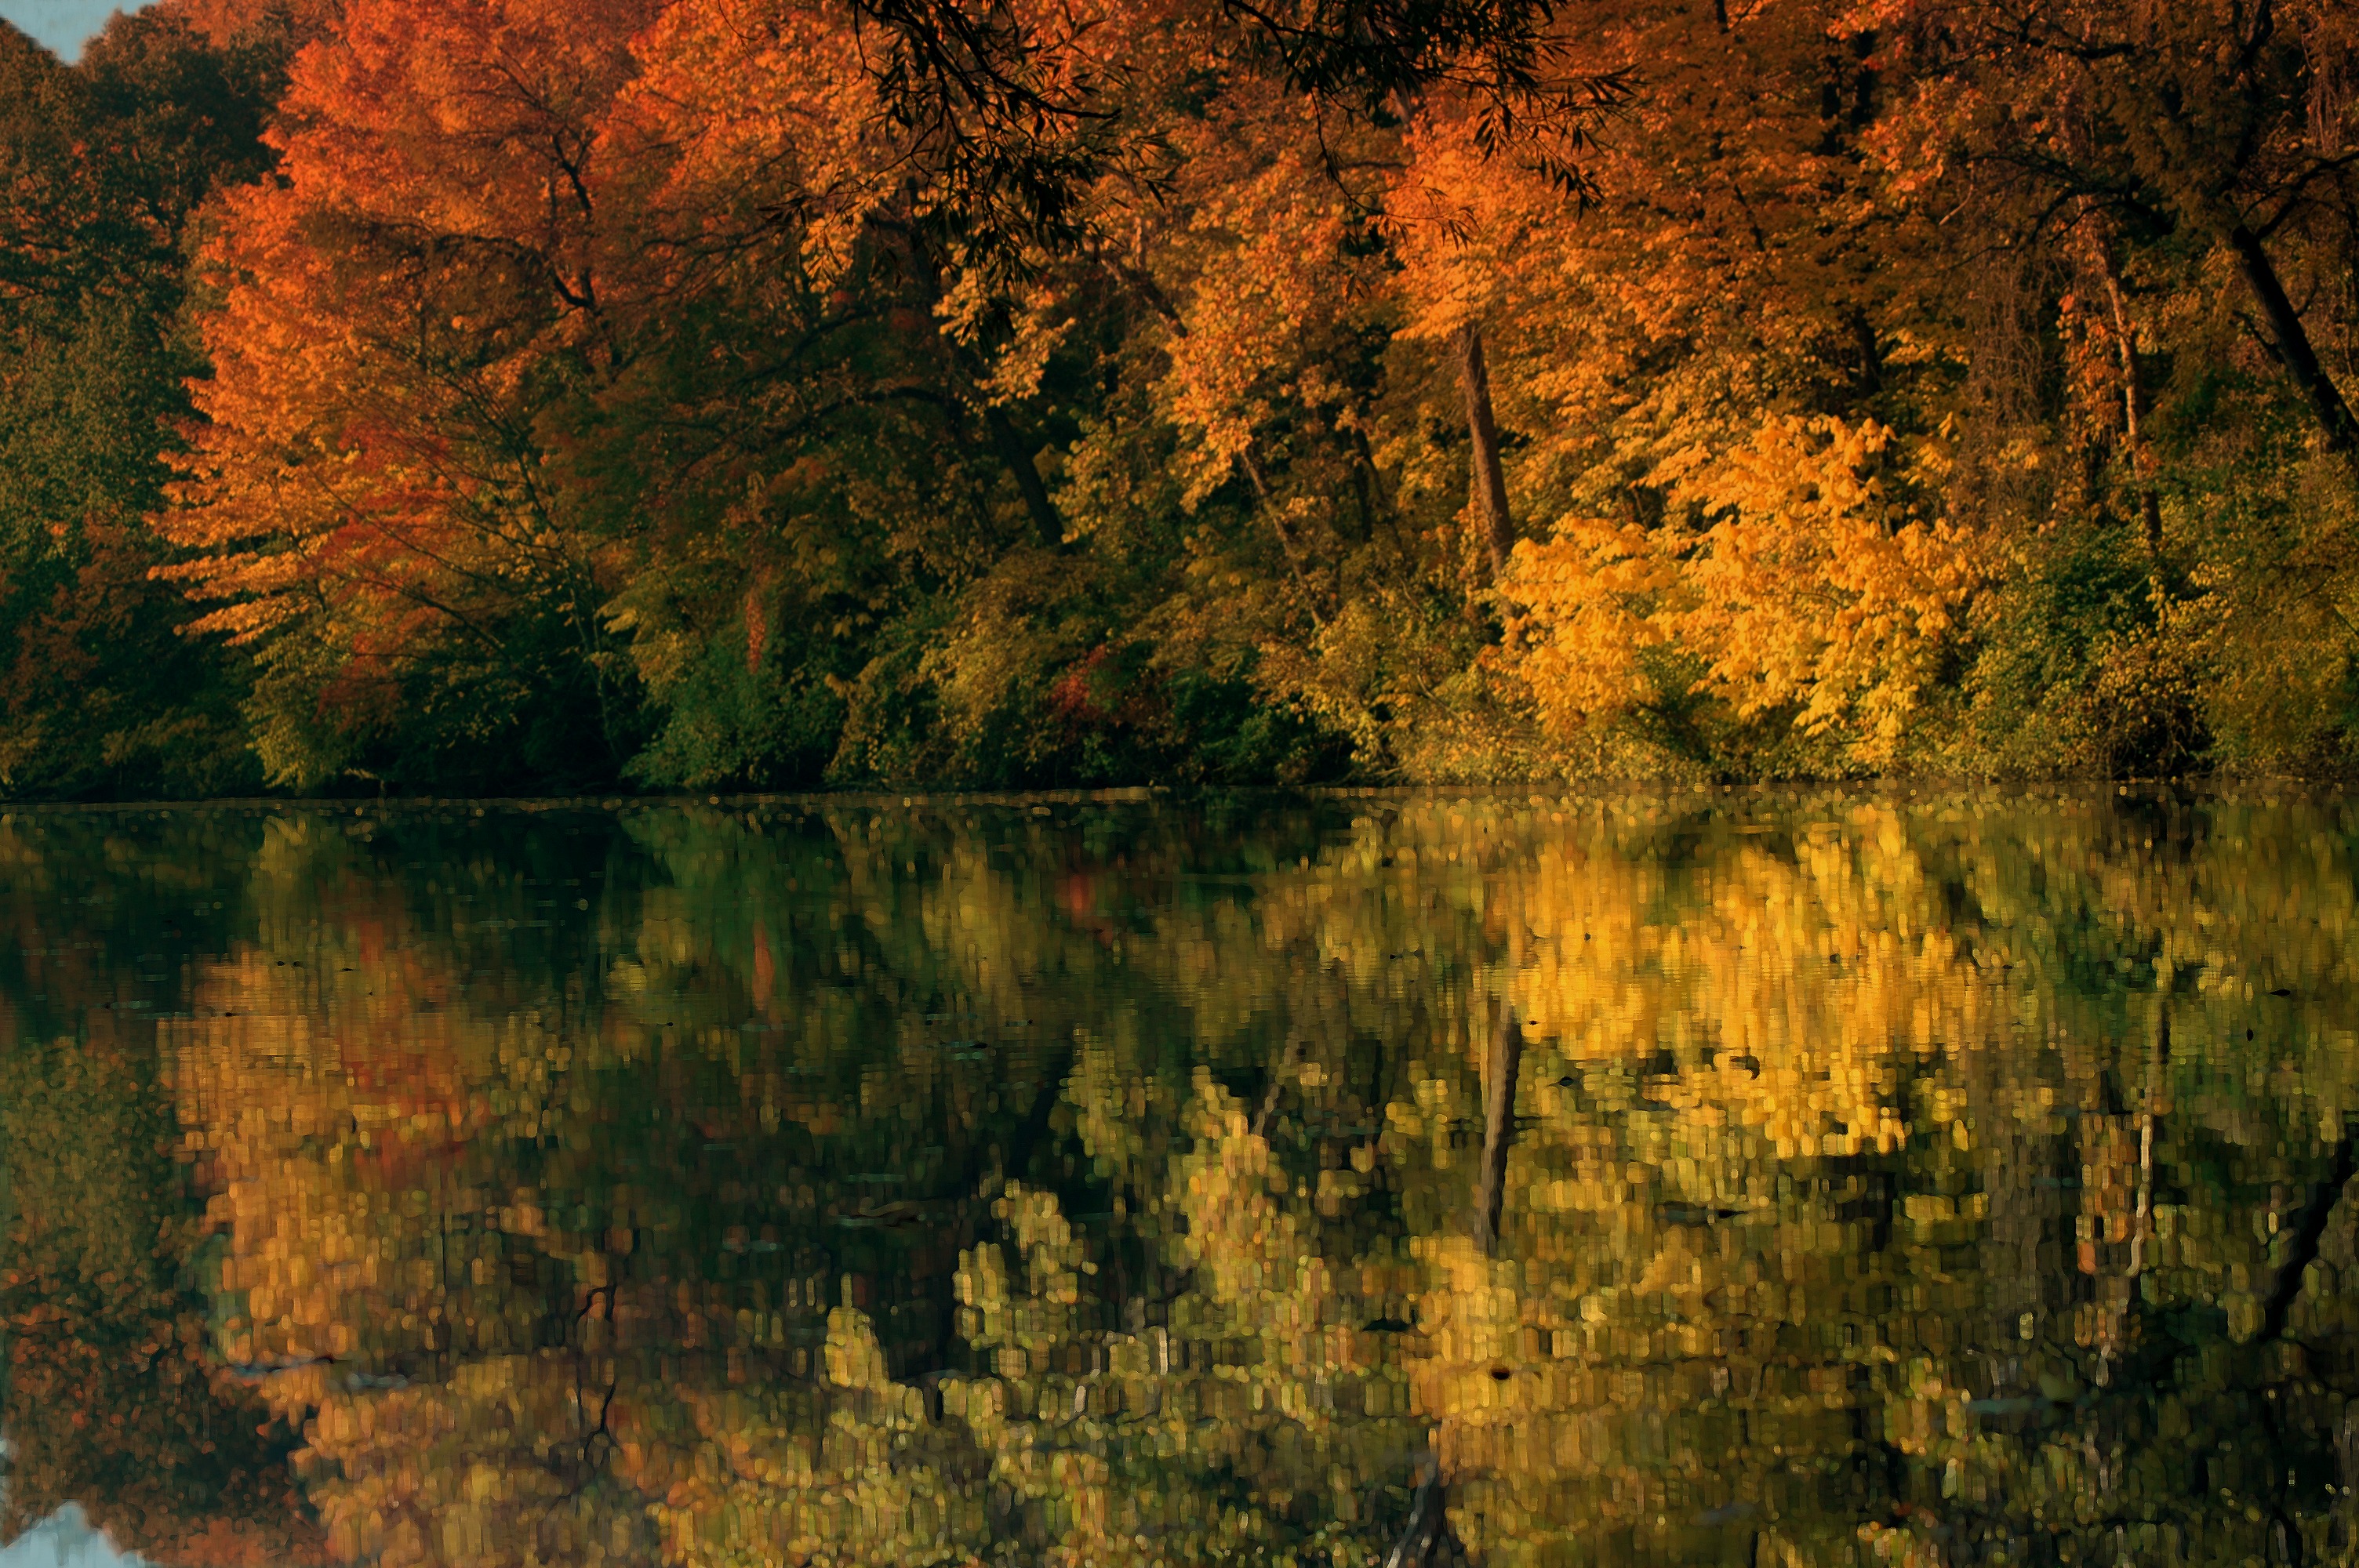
x=1285, y=539
x=1046, y=524
x=1487, y=478
x=2293, y=347
x=2141, y=459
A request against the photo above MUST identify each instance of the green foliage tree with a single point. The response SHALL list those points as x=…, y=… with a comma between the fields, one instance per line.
x=108, y=166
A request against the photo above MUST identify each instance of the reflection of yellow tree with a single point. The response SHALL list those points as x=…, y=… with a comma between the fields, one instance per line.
x=847, y=1470
x=1711, y=1281
x=1102, y=1444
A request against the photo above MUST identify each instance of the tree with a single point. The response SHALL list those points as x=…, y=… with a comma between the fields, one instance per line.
x=110, y=164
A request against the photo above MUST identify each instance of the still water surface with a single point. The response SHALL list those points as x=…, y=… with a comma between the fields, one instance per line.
x=1741, y=1178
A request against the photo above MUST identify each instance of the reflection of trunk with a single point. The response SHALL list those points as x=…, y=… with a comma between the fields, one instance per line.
x=2293, y=346
x=2308, y=1230
x=1427, y=1541
x=1487, y=478
x=2142, y=1217
x=1045, y=525
x=2024, y=1211
x=1016, y=1160
x=2113, y=1330
x=2346, y=1467
x=1286, y=1066
x=1499, y=1127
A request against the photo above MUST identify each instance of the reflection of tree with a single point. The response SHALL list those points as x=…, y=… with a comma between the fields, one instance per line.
x=846, y=1468
x=1900, y=1182
x=111, y=1399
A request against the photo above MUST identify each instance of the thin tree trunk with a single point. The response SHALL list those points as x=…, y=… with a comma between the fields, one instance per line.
x=1499, y=1127
x=2141, y=459
x=1048, y=527
x=1487, y=478
x=2294, y=349
x=2346, y=1465
x=2099, y=236
x=1285, y=539
x=1286, y=1066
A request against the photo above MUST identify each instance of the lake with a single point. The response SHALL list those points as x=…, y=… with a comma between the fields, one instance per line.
x=1756, y=1177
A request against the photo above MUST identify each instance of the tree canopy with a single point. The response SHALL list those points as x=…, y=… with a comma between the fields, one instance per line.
x=762, y=394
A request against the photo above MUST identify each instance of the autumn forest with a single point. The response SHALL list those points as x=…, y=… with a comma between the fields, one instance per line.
x=548, y=396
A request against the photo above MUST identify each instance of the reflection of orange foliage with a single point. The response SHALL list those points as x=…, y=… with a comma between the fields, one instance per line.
x=513, y=1480
x=314, y=1102
x=240, y=1543
x=1782, y=1077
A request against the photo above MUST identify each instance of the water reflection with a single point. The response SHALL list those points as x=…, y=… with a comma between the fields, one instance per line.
x=1742, y=1178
